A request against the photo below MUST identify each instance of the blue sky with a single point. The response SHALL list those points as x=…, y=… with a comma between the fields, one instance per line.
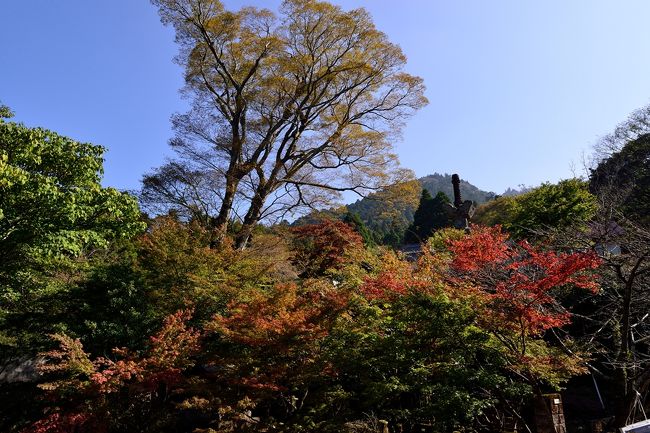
x=518, y=90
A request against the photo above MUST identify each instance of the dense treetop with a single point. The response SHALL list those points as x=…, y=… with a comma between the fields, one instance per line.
x=288, y=110
x=53, y=211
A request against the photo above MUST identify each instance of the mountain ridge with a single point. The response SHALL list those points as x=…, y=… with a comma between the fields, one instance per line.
x=389, y=229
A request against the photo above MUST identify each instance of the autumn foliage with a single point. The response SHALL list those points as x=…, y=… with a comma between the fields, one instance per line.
x=92, y=386
x=519, y=279
x=323, y=246
x=469, y=318
x=518, y=285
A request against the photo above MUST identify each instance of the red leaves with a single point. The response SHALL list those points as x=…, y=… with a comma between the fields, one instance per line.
x=517, y=286
x=484, y=247
x=518, y=279
x=64, y=423
x=323, y=246
x=386, y=286
x=170, y=352
x=113, y=375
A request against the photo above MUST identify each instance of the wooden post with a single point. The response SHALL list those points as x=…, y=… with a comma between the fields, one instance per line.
x=549, y=414
x=509, y=425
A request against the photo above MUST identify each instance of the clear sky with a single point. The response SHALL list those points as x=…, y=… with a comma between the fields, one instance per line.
x=518, y=90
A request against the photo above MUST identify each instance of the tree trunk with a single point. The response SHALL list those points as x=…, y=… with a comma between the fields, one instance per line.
x=625, y=383
x=251, y=219
x=624, y=408
x=220, y=224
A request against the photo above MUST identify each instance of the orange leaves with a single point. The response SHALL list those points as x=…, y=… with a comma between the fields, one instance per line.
x=175, y=344
x=533, y=275
x=282, y=316
x=398, y=278
x=275, y=339
x=471, y=302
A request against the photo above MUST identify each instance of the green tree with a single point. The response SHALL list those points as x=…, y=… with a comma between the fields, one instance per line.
x=420, y=218
x=112, y=305
x=417, y=361
x=5, y=112
x=624, y=177
x=551, y=206
x=53, y=211
x=547, y=207
x=287, y=111
x=495, y=212
x=429, y=217
x=353, y=219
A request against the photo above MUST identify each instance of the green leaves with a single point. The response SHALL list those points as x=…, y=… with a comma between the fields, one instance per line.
x=419, y=359
x=53, y=212
x=547, y=207
x=430, y=216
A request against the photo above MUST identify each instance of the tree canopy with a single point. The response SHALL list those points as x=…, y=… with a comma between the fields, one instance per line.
x=624, y=177
x=288, y=110
x=53, y=210
x=430, y=215
x=548, y=206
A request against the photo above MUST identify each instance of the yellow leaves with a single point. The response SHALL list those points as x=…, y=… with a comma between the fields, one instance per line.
x=541, y=360
x=70, y=360
x=224, y=25
x=399, y=196
x=310, y=101
x=182, y=267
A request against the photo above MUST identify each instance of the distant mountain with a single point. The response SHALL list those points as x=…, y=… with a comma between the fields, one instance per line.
x=388, y=213
x=512, y=192
x=435, y=183
x=388, y=224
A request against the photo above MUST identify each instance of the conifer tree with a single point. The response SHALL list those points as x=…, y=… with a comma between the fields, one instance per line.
x=429, y=216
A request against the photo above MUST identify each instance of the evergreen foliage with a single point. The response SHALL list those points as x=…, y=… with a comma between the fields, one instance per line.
x=353, y=219
x=430, y=216
x=624, y=177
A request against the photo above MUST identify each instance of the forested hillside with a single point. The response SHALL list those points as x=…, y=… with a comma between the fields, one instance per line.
x=436, y=183
x=388, y=214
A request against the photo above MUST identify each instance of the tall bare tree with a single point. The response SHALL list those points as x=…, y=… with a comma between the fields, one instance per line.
x=287, y=110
